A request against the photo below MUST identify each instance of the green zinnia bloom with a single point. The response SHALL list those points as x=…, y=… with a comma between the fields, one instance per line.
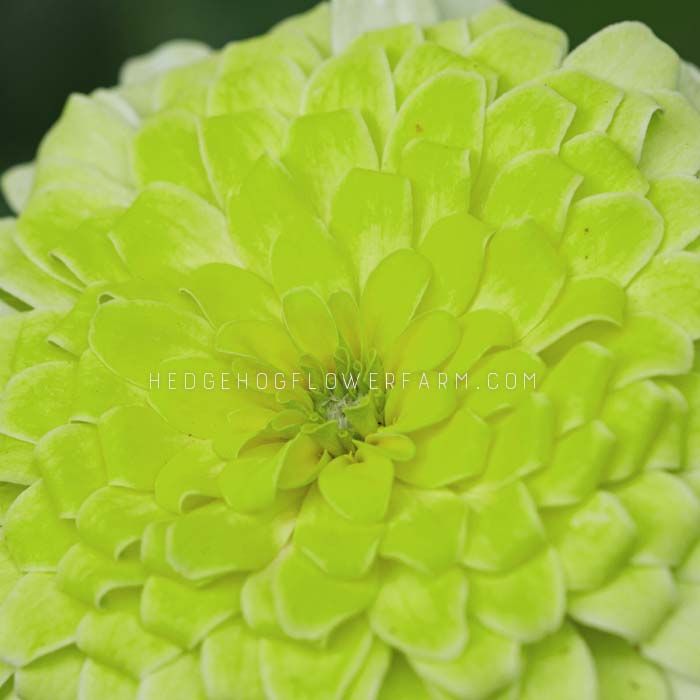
x=372, y=191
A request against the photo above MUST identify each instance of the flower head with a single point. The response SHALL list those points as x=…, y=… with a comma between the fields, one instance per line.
x=358, y=362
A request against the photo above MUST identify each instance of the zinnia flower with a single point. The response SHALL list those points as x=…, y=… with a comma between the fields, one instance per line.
x=242, y=294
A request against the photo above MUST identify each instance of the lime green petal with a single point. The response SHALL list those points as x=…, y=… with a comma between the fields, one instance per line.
x=522, y=273
x=17, y=465
x=38, y=400
x=71, y=332
x=341, y=547
x=71, y=464
x=422, y=614
x=230, y=665
x=118, y=639
x=258, y=604
x=372, y=216
x=582, y=301
x=447, y=453
x=414, y=520
x=402, y=683
x=634, y=414
x=452, y=34
x=672, y=146
x=455, y=248
x=52, y=677
x=232, y=143
x=249, y=483
x=523, y=442
x=358, y=490
x=93, y=134
x=576, y=466
x=488, y=663
x=677, y=199
x=526, y=603
x=631, y=606
x=518, y=54
x=90, y=576
x=441, y=180
x=447, y=109
x=98, y=389
x=596, y=100
x=593, y=540
x=483, y=330
x=295, y=670
x=669, y=448
x=136, y=443
x=666, y=286
x=167, y=149
x=395, y=41
x=667, y=516
x=629, y=127
x=604, y=165
x=590, y=247
x=647, y=346
x=675, y=644
x=266, y=341
x=502, y=380
x=187, y=229
x=622, y=672
x=36, y=538
x=359, y=79
x=314, y=260
x=370, y=680
x=385, y=312
x=26, y=338
x=189, y=478
x=179, y=680
x=272, y=81
x=23, y=280
x=133, y=337
x=560, y=666
x=420, y=403
x=185, y=614
x=96, y=680
x=235, y=542
x=52, y=216
x=428, y=341
x=254, y=225
x=629, y=55
x=229, y=293
x=310, y=603
x=537, y=185
x=321, y=149
x=504, y=529
x=113, y=518
x=510, y=130
x=690, y=387
x=311, y=324
x=36, y=619
x=421, y=63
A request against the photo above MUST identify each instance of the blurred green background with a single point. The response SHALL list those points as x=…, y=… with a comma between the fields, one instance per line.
x=50, y=48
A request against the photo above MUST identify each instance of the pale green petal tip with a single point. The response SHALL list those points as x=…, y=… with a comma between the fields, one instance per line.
x=351, y=19
x=17, y=183
x=172, y=54
x=689, y=83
